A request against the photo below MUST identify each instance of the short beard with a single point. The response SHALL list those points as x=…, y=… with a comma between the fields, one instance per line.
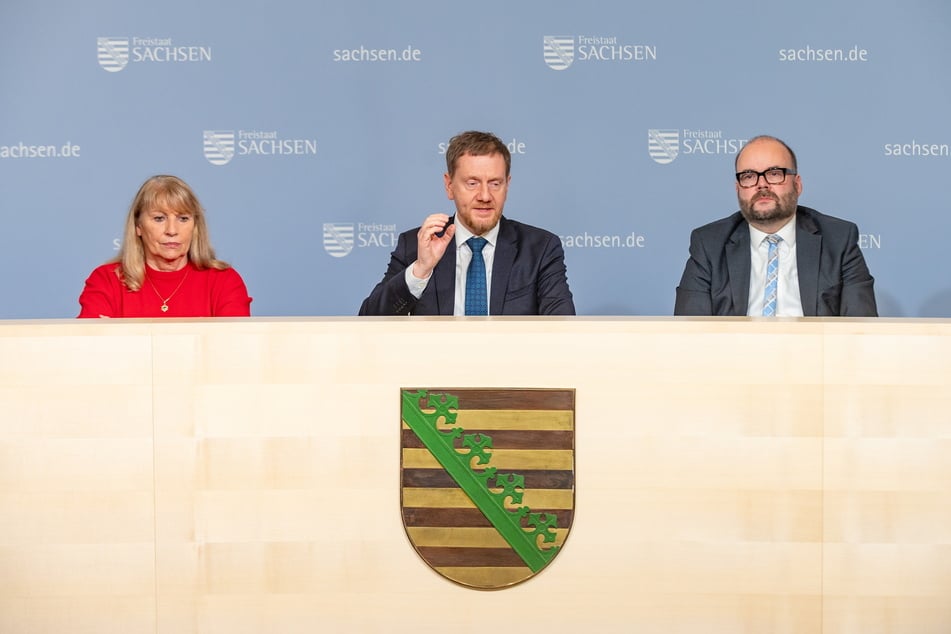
x=478, y=227
x=784, y=209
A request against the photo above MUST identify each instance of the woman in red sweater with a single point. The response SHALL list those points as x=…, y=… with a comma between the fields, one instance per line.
x=166, y=266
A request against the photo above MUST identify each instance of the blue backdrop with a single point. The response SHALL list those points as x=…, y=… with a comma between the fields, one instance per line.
x=313, y=132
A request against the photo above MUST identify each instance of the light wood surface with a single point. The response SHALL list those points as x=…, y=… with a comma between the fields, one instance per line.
x=232, y=476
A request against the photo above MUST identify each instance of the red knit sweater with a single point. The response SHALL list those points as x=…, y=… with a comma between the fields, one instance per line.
x=187, y=293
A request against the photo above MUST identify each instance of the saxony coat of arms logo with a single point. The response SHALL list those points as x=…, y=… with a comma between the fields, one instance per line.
x=487, y=480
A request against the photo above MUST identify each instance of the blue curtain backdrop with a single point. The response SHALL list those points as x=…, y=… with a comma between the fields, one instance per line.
x=313, y=132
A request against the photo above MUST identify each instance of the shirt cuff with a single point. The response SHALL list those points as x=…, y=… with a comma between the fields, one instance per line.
x=415, y=285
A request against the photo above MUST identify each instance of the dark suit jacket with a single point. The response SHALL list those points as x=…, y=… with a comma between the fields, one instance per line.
x=528, y=277
x=833, y=277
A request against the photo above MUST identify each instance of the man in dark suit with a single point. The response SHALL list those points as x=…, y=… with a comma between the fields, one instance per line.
x=442, y=266
x=774, y=257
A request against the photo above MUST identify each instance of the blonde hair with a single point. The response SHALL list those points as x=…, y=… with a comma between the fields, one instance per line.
x=170, y=194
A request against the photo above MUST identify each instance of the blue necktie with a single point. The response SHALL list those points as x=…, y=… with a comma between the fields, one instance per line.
x=772, y=276
x=476, y=302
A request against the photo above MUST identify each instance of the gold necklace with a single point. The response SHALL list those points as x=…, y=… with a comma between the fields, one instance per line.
x=165, y=300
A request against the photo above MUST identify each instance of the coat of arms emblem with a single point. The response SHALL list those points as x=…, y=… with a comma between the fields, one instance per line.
x=487, y=480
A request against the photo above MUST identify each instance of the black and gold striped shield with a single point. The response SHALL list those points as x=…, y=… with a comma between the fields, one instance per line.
x=488, y=480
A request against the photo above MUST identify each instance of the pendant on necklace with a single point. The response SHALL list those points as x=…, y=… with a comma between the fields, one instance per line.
x=164, y=306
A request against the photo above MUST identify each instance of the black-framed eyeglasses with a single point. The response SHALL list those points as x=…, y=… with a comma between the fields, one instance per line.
x=773, y=176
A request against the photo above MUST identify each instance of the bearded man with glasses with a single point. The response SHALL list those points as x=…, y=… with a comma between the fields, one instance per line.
x=774, y=257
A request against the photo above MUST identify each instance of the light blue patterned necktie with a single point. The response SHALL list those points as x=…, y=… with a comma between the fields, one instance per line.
x=476, y=301
x=772, y=276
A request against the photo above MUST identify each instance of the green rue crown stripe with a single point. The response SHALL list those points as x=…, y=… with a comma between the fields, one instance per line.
x=502, y=519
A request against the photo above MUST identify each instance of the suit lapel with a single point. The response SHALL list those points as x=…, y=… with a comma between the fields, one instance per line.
x=444, y=277
x=808, y=246
x=738, y=265
x=506, y=248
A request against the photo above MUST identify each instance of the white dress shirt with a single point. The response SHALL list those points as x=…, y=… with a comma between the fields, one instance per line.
x=463, y=257
x=788, y=301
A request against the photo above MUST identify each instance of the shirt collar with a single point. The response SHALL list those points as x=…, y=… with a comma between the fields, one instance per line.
x=463, y=234
x=787, y=232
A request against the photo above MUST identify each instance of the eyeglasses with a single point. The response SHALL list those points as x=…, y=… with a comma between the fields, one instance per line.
x=773, y=176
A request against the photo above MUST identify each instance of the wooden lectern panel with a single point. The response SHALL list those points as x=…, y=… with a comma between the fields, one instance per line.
x=77, y=512
x=887, y=470
x=732, y=475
